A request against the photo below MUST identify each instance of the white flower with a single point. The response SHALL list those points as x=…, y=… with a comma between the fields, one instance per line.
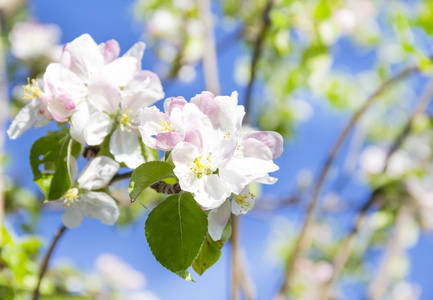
x=84, y=200
x=160, y=130
x=31, y=40
x=200, y=161
x=236, y=204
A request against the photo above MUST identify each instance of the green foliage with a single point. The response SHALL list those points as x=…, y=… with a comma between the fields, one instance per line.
x=147, y=174
x=175, y=231
x=209, y=254
x=50, y=153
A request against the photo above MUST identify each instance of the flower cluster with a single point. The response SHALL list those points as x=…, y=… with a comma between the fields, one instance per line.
x=104, y=98
x=96, y=91
x=215, y=158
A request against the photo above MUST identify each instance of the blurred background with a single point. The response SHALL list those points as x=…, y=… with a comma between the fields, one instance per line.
x=348, y=83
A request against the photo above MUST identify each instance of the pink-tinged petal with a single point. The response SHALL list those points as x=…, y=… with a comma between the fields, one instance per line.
x=97, y=173
x=167, y=140
x=184, y=154
x=105, y=96
x=24, y=120
x=73, y=216
x=252, y=168
x=111, y=51
x=120, y=71
x=61, y=107
x=144, y=90
x=198, y=127
x=82, y=57
x=205, y=103
x=218, y=218
x=136, y=51
x=58, y=79
x=150, y=125
x=272, y=139
x=265, y=179
x=96, y=205
x=126, y=148
x=174, y=103
x=251, y=147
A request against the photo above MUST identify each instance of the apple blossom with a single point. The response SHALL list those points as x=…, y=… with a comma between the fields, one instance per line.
x=84, y=199
x=167, y=127
x=31, y=40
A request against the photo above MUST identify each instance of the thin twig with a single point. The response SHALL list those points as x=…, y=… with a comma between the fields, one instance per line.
x=302, y=238
x=236, y=269
x=346, y=247
x=3, y=116
x=210, y=65
x=382, y=278
x=46, y=260
x=120, y=177
x=258, y=45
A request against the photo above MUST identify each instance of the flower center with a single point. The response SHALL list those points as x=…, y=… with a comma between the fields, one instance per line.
x=201, y=166
x=127, y=120
x=166, y=126
x=32, y=89
x=71, y=196
x=244, y=201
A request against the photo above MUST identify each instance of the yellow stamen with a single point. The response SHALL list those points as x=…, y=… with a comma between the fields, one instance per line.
x=126, y=120
x=227, y=135
x=166, y=126
x=71, y=196
x=31, y=90
x=200, y=167
x=244, y=201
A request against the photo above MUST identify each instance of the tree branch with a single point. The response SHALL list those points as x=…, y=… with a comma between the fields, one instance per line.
x=210, y=65
x=300, y=245
x=346, y=247
x=257, y=50
x=46, y=260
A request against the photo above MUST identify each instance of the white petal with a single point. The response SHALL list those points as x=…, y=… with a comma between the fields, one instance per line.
x=144, y=90
x=73, y=216
x=234, y=181
x=25, y=119
x=150, y=124
x=136, y=51
x=244, y=204
x=82, y=56
x=100, y=206
x=213, y=193
x=58, y=79
x=120, y=71
x=98, y=127
x=218, y=218
x=105, y=95
x=79, y=121
x=98, y=173
x=126, y=148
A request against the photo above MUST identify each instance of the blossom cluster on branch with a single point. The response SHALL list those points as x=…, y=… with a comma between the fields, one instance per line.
x=100, y=98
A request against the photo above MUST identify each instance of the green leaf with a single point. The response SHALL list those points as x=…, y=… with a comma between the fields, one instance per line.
x=51, y=152
x=227, y=232
x=175, y=231
x=147, y=174
x=209, y=254
x=186, y=275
